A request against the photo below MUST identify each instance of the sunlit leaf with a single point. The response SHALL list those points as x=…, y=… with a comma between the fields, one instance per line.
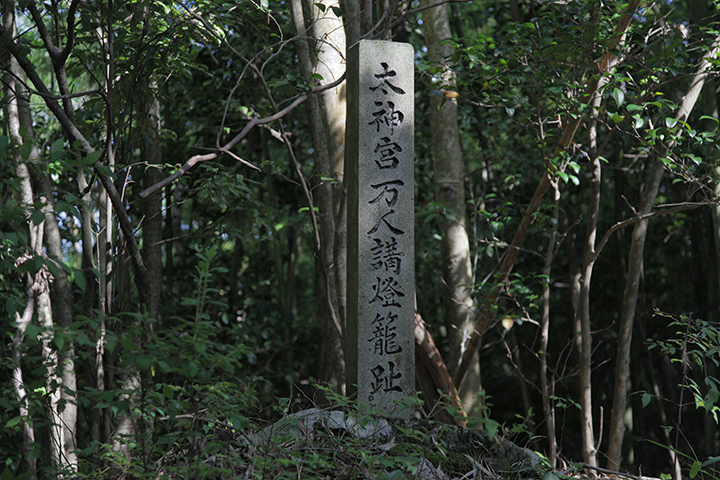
x=619, y=96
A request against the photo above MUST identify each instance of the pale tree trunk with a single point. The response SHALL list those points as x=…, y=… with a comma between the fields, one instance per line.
x=449, y=172
x=17, y=110
x=547, y=386
x=18, y=384
x=67, y=416
x=12, y=121
x=102, y=420
x=330, y=49
x=61, y=384
x=324, y=129
x=630, y=296
x=589, y=257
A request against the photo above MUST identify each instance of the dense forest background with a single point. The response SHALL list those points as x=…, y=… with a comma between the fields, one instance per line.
x=172, y=227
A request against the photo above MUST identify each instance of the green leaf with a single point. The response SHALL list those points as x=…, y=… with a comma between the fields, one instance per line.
x=13, y=421
x=128, y=344
x=695, y=469
x=79, y=280
x=646, y=399
x=337, y=11
x=550, y=476
x=633, y=108
x=57, y=145
x=143, y=362
x=670, y=122
x=639, y=122
x=59, y=342
x=323, y=178
x=320, y=7
x=168, y=391
x=34, y=454
x=706, y=117
x=619, y=96
x=25, y=150
x=37, y=217
x=92, y=158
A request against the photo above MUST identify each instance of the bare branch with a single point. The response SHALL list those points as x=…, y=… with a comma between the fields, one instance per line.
x=678, y=208
x=228, y=146
x=70, y=32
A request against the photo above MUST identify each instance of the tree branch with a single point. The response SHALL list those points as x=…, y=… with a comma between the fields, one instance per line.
x=678, y=208
x=228, y=146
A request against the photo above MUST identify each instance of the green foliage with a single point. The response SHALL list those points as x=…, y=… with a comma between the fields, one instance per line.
x=695, y=345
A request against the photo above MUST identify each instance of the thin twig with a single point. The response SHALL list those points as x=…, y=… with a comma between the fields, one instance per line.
x=226, y=148
x=677, y=208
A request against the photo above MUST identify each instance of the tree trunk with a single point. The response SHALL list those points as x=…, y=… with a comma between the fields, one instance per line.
x=449, y=172
x=328, y=29
x=589, y=257
x=12, y=120
x=61, y=383
x=627, y=315
x=547, y=386
x=152, y=227
x=332, y=365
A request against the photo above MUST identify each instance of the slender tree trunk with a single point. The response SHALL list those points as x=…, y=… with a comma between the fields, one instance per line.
x=331, y=350
x=152, y=227
x=630, y=296
x=60, y=376
x=67, y=415
x=18, y=384
x=589, y=257
x=12, y=120
x=547, y=386
x=449, y=173
x=328, y=30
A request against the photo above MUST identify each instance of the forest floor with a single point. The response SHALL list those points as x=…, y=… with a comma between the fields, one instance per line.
x=329, y=444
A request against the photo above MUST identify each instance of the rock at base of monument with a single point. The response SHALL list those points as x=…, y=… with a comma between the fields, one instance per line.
x=440, y=443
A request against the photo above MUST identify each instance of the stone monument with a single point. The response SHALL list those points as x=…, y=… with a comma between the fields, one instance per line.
x=379, y=345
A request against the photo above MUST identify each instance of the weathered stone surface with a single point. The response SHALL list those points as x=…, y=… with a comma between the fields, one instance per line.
x=379, y=174
x=306, y=423
x=456, y=443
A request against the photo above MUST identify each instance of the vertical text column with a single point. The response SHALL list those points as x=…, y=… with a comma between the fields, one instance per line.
x=381, y=270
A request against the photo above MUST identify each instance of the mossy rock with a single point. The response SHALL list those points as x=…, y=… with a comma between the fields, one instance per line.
x=457, y=450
